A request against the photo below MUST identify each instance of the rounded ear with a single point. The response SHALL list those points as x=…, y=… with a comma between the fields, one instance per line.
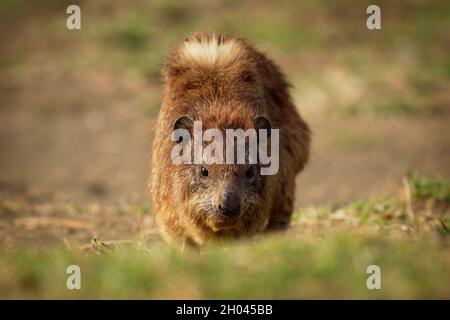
x=183, y=122
x=262, y=122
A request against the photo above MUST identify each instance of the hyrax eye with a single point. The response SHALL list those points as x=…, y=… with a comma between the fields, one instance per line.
x=203, y=172
x=250, y=173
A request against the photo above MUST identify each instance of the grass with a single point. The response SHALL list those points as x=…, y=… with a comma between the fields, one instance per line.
x=355, y=140
x=437, y=190
x=132, y=36
x=274, y=267
x=325, y=254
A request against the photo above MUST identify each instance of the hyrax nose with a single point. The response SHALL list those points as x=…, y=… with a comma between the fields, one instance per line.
x=230, y=206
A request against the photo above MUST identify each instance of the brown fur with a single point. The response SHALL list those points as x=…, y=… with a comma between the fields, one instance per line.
x=225, y=91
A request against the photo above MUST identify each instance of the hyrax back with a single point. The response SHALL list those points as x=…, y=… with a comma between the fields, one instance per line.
x=225, y=83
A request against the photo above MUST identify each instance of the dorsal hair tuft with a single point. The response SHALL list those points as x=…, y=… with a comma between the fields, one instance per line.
x=210, y=49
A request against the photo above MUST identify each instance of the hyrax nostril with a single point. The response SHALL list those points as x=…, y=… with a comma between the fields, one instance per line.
x=230, y=207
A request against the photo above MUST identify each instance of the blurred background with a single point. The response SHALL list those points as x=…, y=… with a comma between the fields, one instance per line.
x=77, y=107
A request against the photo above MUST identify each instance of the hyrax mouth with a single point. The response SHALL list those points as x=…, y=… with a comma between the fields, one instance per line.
x=218, y=221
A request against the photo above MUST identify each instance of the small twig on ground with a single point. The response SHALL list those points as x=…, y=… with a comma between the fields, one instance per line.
x=67, y=244
x=408, y=200
x=99, y=247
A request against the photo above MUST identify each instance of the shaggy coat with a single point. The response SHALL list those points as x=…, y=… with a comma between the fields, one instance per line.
x=226, y=83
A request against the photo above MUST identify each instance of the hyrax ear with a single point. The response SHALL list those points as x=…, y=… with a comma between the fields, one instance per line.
x=183, y=122
x=262, y=122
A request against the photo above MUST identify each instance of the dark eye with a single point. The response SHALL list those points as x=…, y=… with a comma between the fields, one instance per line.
x=203, y=172
x=250, y=173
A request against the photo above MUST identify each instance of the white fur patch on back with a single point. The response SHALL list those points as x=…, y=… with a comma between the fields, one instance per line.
x=210, y=52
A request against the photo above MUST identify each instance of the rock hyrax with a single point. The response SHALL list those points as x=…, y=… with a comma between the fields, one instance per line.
x=225, y=83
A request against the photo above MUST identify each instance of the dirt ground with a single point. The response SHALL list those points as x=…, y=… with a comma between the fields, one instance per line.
x=75, y=144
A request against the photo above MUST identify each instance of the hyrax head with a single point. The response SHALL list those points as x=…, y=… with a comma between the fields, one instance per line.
x=221, y=174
